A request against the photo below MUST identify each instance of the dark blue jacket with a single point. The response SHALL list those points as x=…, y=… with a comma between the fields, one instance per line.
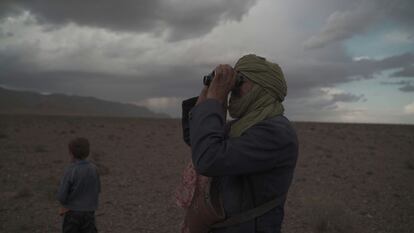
x=249, y=170
x=80, y=186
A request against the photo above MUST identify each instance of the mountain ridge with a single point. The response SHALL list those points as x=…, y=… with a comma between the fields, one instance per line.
x=33, y=103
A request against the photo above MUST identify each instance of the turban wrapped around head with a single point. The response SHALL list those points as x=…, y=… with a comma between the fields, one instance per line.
x=264, y=100
x=266, y=74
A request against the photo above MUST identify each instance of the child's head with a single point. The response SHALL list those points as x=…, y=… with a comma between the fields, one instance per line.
x=79, y=148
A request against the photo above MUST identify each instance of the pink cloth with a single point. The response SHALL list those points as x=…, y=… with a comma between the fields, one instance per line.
x=185, y=191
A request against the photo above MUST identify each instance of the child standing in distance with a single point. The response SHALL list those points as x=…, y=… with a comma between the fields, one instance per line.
x=79, y=190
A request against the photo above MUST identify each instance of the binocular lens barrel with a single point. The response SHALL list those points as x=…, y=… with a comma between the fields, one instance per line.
x=208, y=78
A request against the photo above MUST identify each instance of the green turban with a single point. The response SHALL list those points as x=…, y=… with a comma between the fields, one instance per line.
x=264, y=100
x=266, y=74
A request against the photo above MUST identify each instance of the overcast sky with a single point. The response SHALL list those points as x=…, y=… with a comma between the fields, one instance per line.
x=344, y=61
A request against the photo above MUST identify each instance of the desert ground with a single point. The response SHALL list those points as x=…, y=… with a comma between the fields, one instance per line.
x=349, y=177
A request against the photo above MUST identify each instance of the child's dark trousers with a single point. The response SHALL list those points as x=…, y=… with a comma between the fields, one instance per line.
x=79, y=222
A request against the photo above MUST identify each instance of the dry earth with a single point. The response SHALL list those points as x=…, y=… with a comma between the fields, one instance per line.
x=349, y=177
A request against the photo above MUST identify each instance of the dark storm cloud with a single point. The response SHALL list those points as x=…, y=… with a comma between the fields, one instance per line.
x=395, y=83
x=407, y=71
x=301, y=78
x=185, y=80
x=181, y=19
x=5, y=34
x=407, y=88
x=331, y=102
x=344, y=24
x=347, y=97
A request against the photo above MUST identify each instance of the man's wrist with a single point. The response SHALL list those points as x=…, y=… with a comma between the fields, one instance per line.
x=217, y=97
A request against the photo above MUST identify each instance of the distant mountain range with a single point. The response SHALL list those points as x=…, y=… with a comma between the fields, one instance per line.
x=26, y=102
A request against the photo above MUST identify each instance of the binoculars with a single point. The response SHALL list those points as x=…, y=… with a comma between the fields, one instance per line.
x=208, y=78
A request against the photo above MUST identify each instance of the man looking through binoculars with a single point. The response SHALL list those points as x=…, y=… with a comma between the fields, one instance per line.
x=250, y=161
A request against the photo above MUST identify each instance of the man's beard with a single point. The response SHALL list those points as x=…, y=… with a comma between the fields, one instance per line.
x=233, y=104
x=239, y=105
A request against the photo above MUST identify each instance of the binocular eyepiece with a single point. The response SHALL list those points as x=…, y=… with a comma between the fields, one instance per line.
x=208, y=78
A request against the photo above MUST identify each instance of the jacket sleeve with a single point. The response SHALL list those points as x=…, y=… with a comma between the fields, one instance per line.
x=64, y=187
x=260, y=148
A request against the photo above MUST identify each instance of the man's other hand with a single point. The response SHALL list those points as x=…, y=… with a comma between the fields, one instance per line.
x=222, y=83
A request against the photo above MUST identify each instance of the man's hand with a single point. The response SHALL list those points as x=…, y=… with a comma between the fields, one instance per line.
x=222, y=83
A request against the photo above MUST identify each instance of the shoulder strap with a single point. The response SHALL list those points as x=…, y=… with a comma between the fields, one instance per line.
x=250, y=214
